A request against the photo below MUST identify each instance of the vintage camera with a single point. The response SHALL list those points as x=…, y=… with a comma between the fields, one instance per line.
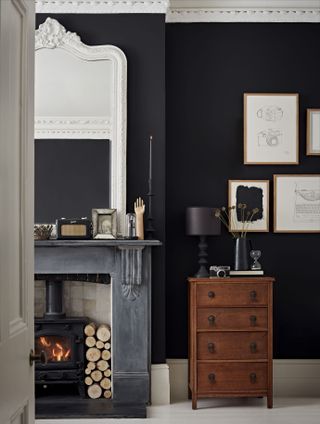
x=270, y=137
x=219, y=271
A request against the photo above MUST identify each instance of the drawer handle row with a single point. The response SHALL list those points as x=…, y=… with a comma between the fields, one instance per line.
x=253, y=295
x=252, y=376
x=253, y=320
x=253, y=347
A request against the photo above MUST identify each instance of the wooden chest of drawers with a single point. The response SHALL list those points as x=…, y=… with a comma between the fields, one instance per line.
x=230, y=338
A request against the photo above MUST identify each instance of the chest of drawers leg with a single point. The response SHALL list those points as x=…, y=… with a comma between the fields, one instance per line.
x=230, y=338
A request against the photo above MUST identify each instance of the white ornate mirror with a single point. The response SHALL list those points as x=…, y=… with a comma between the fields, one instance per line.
x=80, y=93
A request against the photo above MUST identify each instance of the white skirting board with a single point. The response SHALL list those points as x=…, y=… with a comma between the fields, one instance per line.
x=292, y=378
x=160, y=384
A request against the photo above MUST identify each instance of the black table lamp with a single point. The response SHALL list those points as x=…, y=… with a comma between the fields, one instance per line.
x=202, y=222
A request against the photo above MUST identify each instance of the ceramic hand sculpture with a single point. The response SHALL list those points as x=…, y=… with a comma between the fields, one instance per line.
x=139, y=209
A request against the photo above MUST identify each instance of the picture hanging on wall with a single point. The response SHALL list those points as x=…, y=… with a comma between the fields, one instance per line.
x=271, y=129
x=297, y=203
x=249, y=205
x=313, y=132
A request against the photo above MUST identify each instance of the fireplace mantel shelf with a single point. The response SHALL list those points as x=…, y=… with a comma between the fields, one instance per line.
x=101, y=243
x=128, y=262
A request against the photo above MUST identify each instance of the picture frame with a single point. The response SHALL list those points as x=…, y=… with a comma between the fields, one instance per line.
x=313, y=132
x=104, y=224
x=296, y=203
x=254, y=194
x=271, y=128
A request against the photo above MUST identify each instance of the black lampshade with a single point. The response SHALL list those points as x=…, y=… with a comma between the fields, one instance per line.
x=200, y=221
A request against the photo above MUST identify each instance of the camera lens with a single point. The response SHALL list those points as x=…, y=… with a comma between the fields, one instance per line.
x=221, y=273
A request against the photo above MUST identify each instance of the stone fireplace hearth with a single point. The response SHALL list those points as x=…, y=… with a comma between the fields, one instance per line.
x=128, y=263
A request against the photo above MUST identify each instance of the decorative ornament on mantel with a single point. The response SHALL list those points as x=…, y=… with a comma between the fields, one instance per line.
x=139, y=208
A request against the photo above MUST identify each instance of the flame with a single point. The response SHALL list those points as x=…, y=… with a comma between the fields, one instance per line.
x=59, y=354
x=55, y=349
x=45, y=342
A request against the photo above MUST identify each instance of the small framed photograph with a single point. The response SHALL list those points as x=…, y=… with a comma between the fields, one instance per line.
x=313, y=132
x=104, y=223
x=271, y=129
x=249, y=200
x=297, y=203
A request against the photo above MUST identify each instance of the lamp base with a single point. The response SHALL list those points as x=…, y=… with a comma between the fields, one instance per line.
x=202, y=271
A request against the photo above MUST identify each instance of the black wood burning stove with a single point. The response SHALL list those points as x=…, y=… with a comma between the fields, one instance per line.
x=61, y=338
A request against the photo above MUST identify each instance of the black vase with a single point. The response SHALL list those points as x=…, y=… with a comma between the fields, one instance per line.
x=241, y=253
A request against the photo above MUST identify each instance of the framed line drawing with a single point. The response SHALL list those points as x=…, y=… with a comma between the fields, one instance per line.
x=254, y=194
x=297, y=203
x=271, y=129
x=313, y=132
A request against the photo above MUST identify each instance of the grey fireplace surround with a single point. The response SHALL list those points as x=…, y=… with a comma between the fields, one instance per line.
x=128, y=262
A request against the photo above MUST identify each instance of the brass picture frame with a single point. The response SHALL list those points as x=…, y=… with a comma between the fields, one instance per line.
x=296, y=206
x=255, y=226
x=271, y=128
x=313, y=132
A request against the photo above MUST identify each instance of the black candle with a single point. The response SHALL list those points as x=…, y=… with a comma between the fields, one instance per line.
x=150, y=159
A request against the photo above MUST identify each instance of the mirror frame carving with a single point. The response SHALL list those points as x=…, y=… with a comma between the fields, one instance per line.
x=50, y=35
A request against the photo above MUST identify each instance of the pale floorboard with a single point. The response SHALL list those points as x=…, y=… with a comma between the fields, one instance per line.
x=222, y=411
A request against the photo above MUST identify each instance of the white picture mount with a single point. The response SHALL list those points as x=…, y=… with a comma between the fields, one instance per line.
x=81, y=93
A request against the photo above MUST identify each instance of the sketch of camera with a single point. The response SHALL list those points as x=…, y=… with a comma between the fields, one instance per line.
x=270, y=113
x=270, y=138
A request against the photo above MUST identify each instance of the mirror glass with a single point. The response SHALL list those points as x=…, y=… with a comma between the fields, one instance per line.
x=70, y=177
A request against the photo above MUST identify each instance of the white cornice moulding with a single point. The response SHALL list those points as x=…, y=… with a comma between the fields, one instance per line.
x=101, y=6
x=244, y=11
x=195, y=10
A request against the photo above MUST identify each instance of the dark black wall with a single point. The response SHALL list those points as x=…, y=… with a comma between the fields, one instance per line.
x=208, y=68
x=142, y=38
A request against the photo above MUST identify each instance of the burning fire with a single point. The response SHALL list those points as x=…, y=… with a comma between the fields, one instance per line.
x=56, y=351
x=45, y=342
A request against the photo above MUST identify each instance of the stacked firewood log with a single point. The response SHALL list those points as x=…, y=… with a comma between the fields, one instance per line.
x=98, y=372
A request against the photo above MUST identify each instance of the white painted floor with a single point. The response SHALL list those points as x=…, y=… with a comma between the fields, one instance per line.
x=222, y=411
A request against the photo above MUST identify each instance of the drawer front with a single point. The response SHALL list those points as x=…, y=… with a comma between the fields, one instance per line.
x=232, y=377
x=232, y=345
x=232, y=318
x=236, y=294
